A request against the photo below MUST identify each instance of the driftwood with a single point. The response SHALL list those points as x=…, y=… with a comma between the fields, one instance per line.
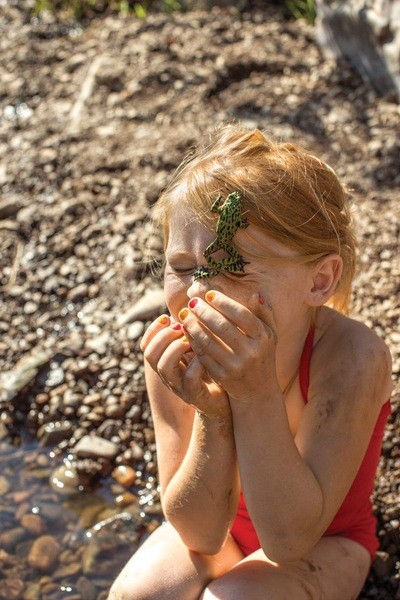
x=367, y=33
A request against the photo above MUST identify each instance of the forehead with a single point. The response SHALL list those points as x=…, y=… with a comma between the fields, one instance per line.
x=187, y=234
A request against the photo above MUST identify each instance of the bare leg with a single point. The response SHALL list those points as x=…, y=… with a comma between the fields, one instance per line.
x=335, y=569
x=164, y=568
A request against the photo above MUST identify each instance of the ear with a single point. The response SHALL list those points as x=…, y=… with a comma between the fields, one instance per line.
x=325, y=277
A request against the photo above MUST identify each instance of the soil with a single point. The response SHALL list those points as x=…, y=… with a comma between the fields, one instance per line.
x=93, y=121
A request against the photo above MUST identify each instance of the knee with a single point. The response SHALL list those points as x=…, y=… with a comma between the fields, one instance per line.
x=125, y=589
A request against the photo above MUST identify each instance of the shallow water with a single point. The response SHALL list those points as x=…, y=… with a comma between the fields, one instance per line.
x=66, y=545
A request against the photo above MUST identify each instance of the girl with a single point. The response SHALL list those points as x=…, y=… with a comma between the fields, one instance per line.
x=269, y=406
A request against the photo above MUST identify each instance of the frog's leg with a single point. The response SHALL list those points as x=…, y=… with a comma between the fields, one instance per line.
x=215, y=205
x=243, y=223
x=211, y=248
x=233, y=258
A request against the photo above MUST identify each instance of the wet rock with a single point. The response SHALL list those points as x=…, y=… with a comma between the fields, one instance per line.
x=86, y=588
x=91, y=446
x=44, y=553
x=53, y=433
x=67, y=571
x=65, y=480
x=9, y=539
x=34, y=524
x=125, y=499
x=124, y=475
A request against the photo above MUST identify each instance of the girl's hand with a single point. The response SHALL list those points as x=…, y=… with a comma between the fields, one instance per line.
x=236, y=345
x=169, y=353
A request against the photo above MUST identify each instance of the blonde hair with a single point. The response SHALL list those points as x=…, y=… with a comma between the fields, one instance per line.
x=293, y=196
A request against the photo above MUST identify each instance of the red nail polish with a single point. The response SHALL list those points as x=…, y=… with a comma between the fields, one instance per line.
x=192, y=303
x=177, y=327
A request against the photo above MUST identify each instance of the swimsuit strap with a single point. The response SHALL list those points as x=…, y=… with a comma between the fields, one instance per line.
x=304, y=373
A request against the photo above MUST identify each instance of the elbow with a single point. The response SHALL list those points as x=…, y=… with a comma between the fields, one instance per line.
x=200, y=544
x=207, y=549
x=286, y=548
x=283, y=554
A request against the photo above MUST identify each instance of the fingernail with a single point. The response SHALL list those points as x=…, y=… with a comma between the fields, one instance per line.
x=163, y=319
x=210, y=295
x=184, y=339
x=177, y=327
x=260, y=299
x=183, y=313
x=192, y=303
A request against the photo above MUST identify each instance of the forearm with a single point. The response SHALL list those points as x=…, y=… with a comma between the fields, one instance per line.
x=201, y=499
x=282, y=494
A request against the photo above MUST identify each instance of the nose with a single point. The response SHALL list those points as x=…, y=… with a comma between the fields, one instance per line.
x=199, y=287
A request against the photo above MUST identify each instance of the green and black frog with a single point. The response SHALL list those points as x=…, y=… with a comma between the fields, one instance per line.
x=229, y=221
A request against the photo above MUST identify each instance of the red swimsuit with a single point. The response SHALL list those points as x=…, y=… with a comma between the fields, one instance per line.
x=354, y=519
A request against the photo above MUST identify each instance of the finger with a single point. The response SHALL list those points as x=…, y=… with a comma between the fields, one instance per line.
x=212, y=353
x=235, y=316
x=158, y=344
x=154, y=327
x=171, y=367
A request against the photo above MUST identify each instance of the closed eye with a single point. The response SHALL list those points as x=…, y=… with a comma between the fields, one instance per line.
x=183, y=270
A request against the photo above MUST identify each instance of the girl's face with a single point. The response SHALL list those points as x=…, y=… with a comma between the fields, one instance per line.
x=285, y=286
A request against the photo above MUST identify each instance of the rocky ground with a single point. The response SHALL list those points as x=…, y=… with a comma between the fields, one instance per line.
x=92, y=123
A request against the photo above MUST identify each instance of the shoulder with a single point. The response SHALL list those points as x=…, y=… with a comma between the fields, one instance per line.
x=347, y=353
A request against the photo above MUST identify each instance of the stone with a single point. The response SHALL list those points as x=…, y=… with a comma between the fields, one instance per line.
x=65, y=480
x=4, y=485
x=44, y=553
x=135, y=330
x=124, y=475
x=33, y=523
x=148, y=306
x=54, y=432
x=92, y=446
x=10, y=538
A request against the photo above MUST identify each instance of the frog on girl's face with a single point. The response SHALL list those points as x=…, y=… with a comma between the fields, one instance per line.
x=229, y=221
x=284, y=285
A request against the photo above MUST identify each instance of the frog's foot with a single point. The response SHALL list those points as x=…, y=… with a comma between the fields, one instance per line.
x=204, y=273
x=236, y=267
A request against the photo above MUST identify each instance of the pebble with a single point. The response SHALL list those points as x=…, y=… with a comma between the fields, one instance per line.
x=44, y=553
x=135, y=330
x=54, y=432
x=65, y=480
x=124, y=475
x=34, y=524
x=4, y=485
x=148, y=306
x=91, y=446
x=83, y=291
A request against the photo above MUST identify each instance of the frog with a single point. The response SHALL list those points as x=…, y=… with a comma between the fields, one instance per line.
x=229, y=221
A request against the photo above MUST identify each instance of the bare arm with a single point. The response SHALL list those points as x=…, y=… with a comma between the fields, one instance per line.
x=293, y=487
x=197, y=467
x=300, y=483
